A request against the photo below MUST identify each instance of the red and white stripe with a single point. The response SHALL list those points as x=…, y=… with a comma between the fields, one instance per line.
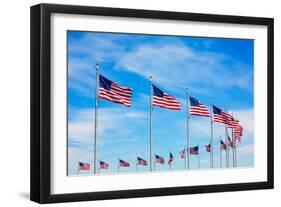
x=200, y=110
x=117, y=94
x=167, y=102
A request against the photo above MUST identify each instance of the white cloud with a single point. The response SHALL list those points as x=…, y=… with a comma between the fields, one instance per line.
x=111, y=121
x=177, y=66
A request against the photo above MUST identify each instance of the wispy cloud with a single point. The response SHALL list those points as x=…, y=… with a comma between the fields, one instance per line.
x=177, y=66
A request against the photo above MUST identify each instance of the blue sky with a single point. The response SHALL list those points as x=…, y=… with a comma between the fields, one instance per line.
x=212, y=68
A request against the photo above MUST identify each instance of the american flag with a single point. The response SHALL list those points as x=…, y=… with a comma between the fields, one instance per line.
x=219, y=115
x=84, y=166
x=197, y=108
x=193, y=150
x=110, y=91
x=159, y=159
x=141, y=161
x=233, y=123
x=171, y=158
x=238, y=132
x=208, y=147
x=230, y=143
x=164, y=100
x=228, y=118
x=182, y=154
x=223, y=145
x=123, y=163
x=103, y=165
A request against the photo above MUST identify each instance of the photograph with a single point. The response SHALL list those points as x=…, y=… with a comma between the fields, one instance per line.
x=145, y=103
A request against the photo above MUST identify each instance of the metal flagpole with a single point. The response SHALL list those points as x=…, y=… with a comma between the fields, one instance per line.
x=235, y=150
x=233, y=158
x=150, y=134
x=198, y=157
x=187, y=131
x=78, y=170
x=220, y=153
x=136, y=163
x=211, y=141
x=96, y=117
x=184, y=157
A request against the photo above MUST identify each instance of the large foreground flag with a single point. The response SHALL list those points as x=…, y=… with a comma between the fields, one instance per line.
x=123, y=163
x=219, y=115
x=164, y=100
x=103, y=165
x=194, y=150
x=110, y=91
x=171, y=158
x=197, y=108
x=141, y=161
x=159, y=159
x=84, y=166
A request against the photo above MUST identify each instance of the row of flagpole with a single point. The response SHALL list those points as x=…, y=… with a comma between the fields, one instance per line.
x=187, y=162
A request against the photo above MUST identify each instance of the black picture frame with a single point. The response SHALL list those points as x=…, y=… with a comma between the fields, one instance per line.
x=41, y=97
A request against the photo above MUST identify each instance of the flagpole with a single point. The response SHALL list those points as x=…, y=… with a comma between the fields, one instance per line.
x=78, y=169
x=220, y=153
x=212, y=151
x=150, y=134
x=137, y=163
x=187, y=131
x=235, y=153
x=198, y=156
x=96, y=117
x=227, y=147
x=184, y=158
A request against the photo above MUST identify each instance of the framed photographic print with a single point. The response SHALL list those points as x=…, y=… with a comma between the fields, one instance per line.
x=133, y=103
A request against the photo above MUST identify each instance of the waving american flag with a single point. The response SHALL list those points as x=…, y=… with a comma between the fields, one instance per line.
x=164, y=100
x=110, y=91
x=197, y=108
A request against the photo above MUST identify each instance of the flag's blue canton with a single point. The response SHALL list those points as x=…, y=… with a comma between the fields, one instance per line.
x=81, y=164
x=194, y=102
x=102, y=163
x=216, y=110
x=196, y=148
x=105, y=83
x=122, y=161
x=171, y=156
x=157, y=92
x=222, y=142
x=157, y=157
x=139, y=159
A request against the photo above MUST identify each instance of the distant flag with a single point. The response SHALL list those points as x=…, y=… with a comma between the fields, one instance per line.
x=219, y=115
x=159, y=159
x=171, y=158
x=223, y=145
x=164, y=100
x=230, y=143
x=197, y=108
x=182, y=154
x=194, y=150
x=123, y=163
x=141, y=161
x=103, y=165
x=84, y=166
x=208, y=147
x=110, y=91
